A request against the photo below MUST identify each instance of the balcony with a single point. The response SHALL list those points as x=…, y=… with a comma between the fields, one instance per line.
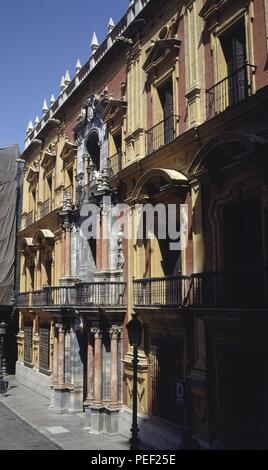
x=163, y=133
x=95, y=294
x=115, y=163
x=202, y=290
x=45, y=208
x=23, y=299
x=216, y=289
x=29, y=219
x=162, y=292
x=230, y=91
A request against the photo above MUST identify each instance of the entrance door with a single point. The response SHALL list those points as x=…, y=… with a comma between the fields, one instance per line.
x=167, y=369
x=244, y=397
x=243, y=253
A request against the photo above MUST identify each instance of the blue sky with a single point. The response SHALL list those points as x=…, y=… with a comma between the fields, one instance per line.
x=39, y=41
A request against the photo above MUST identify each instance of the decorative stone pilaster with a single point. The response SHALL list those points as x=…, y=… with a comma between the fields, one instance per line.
x=86, y=168
x=67, y=215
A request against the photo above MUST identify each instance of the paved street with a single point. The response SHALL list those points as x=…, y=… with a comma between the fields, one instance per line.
x=26, y=422
x=17, y=435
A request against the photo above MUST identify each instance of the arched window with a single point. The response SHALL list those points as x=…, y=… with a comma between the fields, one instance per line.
x=93, y=148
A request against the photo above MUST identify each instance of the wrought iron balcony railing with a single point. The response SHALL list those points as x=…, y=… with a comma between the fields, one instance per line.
x=29, y=219
x=202, y=290
x=162, y=134
x=45, y=208
x=115, y=163
x=81, y=295
x=208, y=290
x=169, y=291
x=230, y=91
x=23, y=299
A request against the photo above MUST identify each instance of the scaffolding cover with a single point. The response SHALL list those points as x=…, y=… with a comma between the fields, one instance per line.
x=8, y=217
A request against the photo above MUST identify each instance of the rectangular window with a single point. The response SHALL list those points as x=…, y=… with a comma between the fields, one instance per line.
x=44, y=349
x=28, y=345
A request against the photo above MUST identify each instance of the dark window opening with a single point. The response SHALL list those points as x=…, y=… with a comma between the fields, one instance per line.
x=233, y=43
x=93, y=148
x=166, y=98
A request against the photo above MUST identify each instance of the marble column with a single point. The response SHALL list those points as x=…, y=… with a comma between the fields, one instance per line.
x=55, y=357
x=63, y=254
x=97, y=367
x=86, y=169
x=61, y=350
x=90, y=369
x=68, y=252
x=114, y=333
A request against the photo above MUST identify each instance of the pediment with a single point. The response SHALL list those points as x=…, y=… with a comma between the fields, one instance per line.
x=159, y=51
x=48, y=159
x=211, y=7
x=32, y=174
x=113, y=108
x=68, y=150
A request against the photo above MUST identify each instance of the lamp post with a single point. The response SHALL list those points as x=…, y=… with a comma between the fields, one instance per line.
x=3, y=383
x=134, y=329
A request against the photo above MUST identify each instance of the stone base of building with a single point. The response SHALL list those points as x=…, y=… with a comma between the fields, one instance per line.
x=33, y=379
x=154, y=432
x=102, y=419
x=66, y=400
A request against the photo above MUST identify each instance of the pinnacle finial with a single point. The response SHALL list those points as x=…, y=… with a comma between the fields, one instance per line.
x=111, y=25
x=45, y=107
x=67, y=78
x=62, y=83
x=52, y=100
x=37, y=120
x=94, y=43
x=30, y=127
x=78, y=66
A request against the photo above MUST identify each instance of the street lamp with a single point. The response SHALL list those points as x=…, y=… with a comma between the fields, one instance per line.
x=134, y=329
x=3, y=383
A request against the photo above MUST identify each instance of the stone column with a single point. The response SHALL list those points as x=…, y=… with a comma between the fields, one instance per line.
x=90, y=370
x=55, y=357
x=61, y=350
x=86, y=169
x=38, y=267
x=63, y=254
x=68, y=250
x=98, y=367
x=114, y=333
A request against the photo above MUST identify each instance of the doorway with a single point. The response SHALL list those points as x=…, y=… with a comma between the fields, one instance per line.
x=243, y=253
x=244, y=396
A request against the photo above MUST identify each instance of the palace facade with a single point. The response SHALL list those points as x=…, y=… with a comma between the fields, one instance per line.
x=171, y=109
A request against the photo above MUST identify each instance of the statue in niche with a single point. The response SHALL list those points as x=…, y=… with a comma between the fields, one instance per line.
x=120, y=255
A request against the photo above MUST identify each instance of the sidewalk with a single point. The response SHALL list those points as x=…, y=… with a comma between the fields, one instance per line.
x=66, y=431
